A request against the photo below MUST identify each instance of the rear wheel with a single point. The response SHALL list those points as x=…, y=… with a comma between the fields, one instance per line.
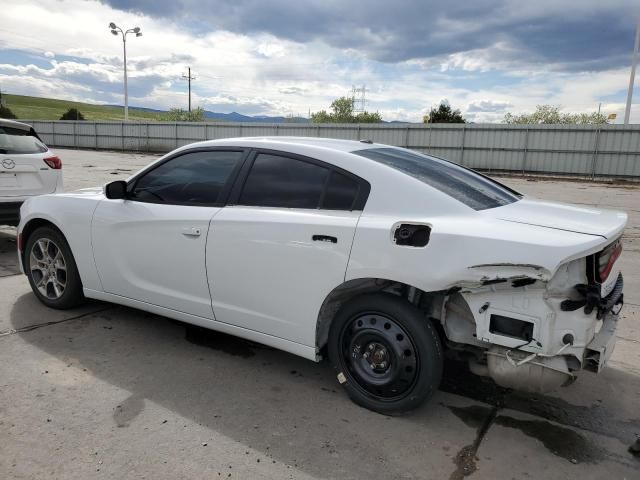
x=52, y=270
x=387, y=354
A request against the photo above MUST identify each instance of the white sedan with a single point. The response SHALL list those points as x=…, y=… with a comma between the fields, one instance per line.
x=380, y=257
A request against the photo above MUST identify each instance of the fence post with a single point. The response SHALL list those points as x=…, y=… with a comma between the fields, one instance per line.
x=176, y=131
x=359, y=132
x=406, y=137
x=146, y=128
x=241, y=129
x=524, y=153
x=95, y=135
x=75, y=143
x=594, y=159
x=122, y=134
x=277, y=129
x=53, y=132
x=430, y=128
x=464, y=132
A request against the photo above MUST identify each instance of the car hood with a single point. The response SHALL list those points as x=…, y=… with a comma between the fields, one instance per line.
x=562, y=216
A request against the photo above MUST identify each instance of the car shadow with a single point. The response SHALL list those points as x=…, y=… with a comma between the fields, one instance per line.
x=269, y=400
x=260, y=397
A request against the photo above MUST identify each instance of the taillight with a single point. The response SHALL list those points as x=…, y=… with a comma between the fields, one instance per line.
x=607, y=258
x=53, y=162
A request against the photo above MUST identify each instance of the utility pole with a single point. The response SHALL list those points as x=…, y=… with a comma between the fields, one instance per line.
x=189, y=78
x=634, y=62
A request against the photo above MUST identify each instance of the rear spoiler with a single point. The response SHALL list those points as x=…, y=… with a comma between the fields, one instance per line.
x=33, y=133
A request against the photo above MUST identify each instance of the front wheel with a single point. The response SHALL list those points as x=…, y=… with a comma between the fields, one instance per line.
x=387, y=354
x=52, y=270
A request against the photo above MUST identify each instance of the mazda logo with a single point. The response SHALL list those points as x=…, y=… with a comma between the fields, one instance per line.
x=8, y=163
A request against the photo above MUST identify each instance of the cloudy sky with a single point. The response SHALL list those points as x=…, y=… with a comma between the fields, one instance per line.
x=282, y=57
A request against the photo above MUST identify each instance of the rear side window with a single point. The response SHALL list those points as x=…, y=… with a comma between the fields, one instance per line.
x=341, y=193
x=17, y=141
x=195, y=178
x=276, y=181
x=466, y=186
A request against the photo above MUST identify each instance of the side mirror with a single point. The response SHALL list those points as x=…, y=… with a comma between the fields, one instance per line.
x=116, y=190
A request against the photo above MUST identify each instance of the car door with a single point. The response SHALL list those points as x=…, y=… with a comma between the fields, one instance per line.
x=151, y=246
x=283, y=244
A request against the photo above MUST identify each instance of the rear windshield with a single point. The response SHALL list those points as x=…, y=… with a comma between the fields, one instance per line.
x=469, y=187
x=15, y=141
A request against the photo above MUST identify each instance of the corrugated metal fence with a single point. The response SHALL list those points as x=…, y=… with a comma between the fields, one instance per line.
x=583, y=150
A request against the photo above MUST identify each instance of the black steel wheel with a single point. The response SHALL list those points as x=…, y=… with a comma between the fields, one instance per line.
x=387, y=354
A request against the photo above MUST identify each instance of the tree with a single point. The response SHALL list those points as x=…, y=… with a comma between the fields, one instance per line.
x=550, y=114
x=72, y=114
x=443, y=114
x=182, y=115
x=342, y=112
x=5, y=112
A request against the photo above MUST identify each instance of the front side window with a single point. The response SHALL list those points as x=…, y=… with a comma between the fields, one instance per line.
x=15, y=141
x=466, y=186
x=276, y=181
x=195, y=178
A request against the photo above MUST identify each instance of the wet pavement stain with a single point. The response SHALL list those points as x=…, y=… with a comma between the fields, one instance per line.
x=219, y=341
x=561, y=441
x=480, y=418
x=457, y=379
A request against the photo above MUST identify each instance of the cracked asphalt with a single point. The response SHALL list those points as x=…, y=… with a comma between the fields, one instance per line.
x=110, y=392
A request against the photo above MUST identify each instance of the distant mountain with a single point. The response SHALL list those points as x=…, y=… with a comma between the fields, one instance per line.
x=232, y=117
x=239, y=117
x=38, y=108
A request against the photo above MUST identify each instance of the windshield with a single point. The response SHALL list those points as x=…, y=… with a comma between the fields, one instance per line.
x=16, y=141
x=465, y=185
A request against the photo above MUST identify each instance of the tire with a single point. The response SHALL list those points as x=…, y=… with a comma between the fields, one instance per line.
x=386, y=353
x=51, y=269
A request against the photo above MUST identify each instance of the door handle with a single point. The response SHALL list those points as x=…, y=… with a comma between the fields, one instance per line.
x=324, y=238
x=191, y=232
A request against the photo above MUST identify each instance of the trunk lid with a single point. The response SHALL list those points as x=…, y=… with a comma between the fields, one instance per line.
x=562, y=216
x=25, y=175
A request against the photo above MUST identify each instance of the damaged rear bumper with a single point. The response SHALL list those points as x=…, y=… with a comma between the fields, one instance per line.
x=526, y=367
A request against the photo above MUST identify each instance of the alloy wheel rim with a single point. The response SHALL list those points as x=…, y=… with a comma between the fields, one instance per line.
x=48, y=268
x=380, y=356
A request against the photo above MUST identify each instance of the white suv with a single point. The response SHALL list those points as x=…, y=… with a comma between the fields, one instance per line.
x=27, y=168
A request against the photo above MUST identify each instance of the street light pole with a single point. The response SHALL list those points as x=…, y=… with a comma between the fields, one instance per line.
x=115, y=30
x=126, y=89
x=634, y=62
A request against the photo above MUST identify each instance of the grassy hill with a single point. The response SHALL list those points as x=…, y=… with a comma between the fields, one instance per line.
x=36, y=108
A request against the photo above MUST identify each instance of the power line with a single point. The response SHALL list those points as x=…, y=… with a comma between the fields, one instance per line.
x=189, y=77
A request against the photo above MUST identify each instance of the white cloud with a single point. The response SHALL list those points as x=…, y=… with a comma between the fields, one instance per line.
x=262, y=74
